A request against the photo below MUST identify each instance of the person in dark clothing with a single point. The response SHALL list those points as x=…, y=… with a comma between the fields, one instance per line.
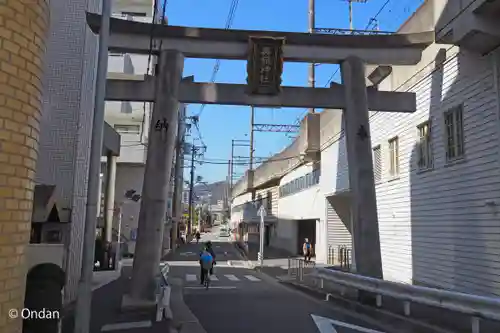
x=208, y=247
x=198, y=236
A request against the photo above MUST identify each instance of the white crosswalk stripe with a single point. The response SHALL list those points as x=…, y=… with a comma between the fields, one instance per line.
x=252, y=278
x=191, y=277
x=231, y=277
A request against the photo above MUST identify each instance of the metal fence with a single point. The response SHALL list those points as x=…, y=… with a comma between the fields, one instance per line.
x=344, y=258
x=297, y=268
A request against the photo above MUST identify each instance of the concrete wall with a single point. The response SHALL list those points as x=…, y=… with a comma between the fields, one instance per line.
x=23, y=37
x=304, y=205
x=45, y=253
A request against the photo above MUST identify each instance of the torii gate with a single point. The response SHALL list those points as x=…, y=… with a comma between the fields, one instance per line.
x=167, y=89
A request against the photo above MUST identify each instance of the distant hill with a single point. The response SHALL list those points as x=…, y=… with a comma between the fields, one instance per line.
x=217, y=189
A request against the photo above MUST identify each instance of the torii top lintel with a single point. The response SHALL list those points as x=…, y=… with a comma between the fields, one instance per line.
x=133, y=37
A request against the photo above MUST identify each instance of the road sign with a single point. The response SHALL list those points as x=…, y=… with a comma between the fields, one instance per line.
x=262, y=211
x=327, y=325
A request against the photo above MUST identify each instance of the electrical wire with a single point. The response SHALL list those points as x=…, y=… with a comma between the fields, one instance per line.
x=229, y=23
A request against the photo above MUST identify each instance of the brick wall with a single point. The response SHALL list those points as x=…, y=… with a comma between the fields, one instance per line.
x=23, y=27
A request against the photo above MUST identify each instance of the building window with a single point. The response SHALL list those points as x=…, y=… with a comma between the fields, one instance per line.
x=377, y=164
x=425, y=160
x=128, y=129
x=453, y=121
x=394, y=157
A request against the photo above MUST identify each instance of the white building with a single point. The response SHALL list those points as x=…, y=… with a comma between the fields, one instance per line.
x=437, y=171
x=131, y=121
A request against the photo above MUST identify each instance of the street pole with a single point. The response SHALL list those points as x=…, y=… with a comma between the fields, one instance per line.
x=252, y=121
x=311, y=31
x=118, y=246
x=261, y=237
x=157, y=176
x=229, y=189
x=84, y=297
x=231, y=166
x=178, y=176
x=191, y=186
x=350, y=15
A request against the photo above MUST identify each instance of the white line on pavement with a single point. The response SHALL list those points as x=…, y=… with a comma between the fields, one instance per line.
x=191, y=277
x=214, y=278
x=126, y=326
x=212, y=287
x=231, y=277
x=252, y=278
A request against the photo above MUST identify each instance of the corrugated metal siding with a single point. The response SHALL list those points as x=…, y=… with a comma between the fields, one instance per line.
x=337, y=232
x=436, y=227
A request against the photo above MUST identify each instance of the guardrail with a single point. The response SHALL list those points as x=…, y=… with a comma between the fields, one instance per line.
x=163, y=293
x=478, y=307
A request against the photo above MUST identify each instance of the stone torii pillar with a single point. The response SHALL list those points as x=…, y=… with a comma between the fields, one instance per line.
x=364, y=228
x=161, y=142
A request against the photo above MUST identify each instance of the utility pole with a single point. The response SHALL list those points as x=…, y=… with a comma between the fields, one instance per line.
x=351, y=26
x=178, y=175
x=236, y=143
x=252, y=120
x=84, y=299
x=229, y=189
x=311, y=31
x=191, y=187
x=250, y=166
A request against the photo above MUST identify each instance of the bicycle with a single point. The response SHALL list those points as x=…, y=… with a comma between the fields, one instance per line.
x=206, y=281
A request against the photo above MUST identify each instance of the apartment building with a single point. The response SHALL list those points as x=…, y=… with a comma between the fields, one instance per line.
x=131, y=121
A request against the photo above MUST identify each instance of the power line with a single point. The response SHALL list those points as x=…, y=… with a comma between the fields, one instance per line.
x=370, y=22
x=229, y=23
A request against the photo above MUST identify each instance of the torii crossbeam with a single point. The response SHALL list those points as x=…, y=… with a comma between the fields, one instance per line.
x=354, y=97
x=397, y=49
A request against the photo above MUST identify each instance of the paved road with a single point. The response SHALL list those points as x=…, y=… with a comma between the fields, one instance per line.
x=242, y=300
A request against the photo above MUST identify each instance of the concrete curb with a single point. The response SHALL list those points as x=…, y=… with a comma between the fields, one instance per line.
x=183, y=319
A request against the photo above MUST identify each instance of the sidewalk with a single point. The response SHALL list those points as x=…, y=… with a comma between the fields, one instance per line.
x=275, y=260
x=107, y=315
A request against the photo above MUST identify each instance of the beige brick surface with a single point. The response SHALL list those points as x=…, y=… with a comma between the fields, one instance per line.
x=23, y=28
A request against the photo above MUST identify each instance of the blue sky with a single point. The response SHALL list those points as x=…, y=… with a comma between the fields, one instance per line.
x=219, y=124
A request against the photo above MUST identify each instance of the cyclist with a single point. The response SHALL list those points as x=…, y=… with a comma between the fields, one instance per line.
x=208, y=247
x=206, y=264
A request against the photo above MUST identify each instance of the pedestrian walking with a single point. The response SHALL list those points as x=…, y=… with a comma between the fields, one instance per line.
x=307, y=249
